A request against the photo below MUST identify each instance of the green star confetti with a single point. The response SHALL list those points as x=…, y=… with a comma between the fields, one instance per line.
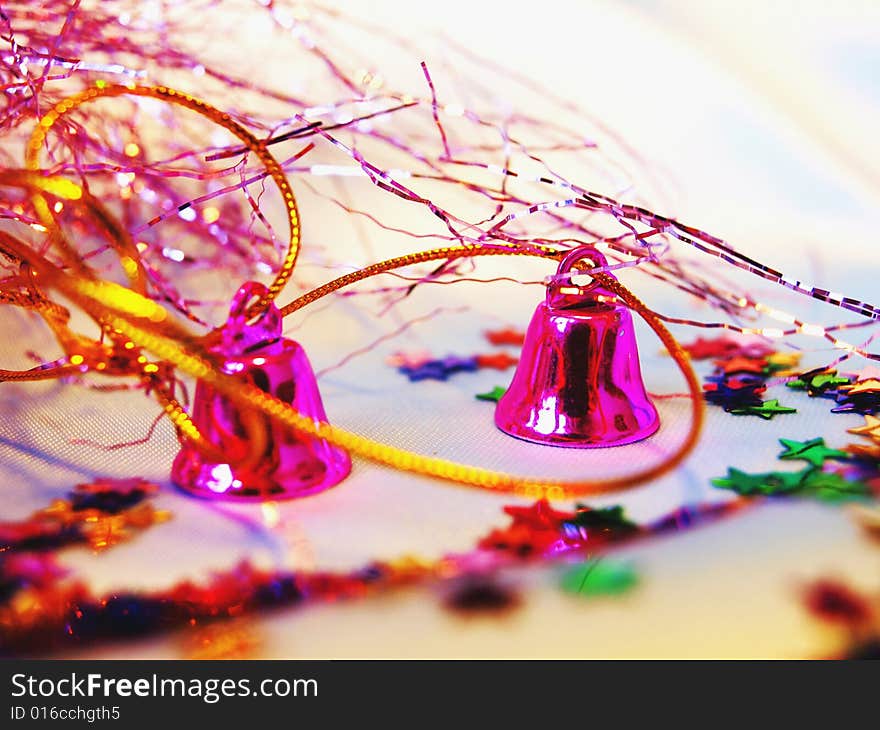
x=817, y=383
x=765, y=410
x=768, y=484
x=493, y=395
x=610, y=519
x=599, y=578
x=813, y=451
x=809, y=482
x=831, y=487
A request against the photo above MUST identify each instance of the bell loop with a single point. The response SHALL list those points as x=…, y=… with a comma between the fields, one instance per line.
x=240, y=336
x=563, y=293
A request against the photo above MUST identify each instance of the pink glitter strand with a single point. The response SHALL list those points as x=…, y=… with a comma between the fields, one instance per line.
x=60, y=46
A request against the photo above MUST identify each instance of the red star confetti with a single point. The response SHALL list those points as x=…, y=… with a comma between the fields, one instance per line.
x=506, y=336
x=863, y=451
x=724, y=348
x=741, y=364
x=499, y=361
x=705, y=349
x=539, y=515
x=534, y=531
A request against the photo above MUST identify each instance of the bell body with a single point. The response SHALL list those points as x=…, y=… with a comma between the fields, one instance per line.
x=283, y=463
x=578, y=382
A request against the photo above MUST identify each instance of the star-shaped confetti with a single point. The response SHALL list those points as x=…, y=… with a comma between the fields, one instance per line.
x=106, y=530
x=863, y=466
x=455, y=364
x=759, y=484
x=819, y=382
x=540, y=515
x=832, y=487
x=117, y=511
x=534, y=531
x=402, y=359
x=765, y=410
x=826, y=381
x=704, y=349
x=506, y=336
x=608, y=520
x=598, y=526
x=871, y=429
x=809, y=482
x=498, y=361
x=741, y=364
x=112, y=495
x=439, y=369
x=740, y=380
x=862, y=386
x=868, y=372
x=814, y=451
x=743, y=395
x=756, y=350
x=867, y=452
x=430, y=370
x=781, y=363
x=601, y=577
x=863, y=402
x=493, y=395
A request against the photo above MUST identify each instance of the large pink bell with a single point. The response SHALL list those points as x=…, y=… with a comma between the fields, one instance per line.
x=289, y=464
x=578, y=381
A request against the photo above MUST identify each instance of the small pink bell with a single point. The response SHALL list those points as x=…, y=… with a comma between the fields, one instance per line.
x=291, y=464
x=578, y=381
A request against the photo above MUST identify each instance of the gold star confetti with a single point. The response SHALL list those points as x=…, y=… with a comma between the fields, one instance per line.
x=783, y=364
x=870, y=430
x=872, y=385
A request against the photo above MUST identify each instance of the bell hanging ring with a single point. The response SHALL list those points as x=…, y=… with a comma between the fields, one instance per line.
x=267, y=461
x=578, y=382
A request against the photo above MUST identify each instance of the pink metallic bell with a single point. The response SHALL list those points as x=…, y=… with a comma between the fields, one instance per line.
x=578, y=382
x=290, y=464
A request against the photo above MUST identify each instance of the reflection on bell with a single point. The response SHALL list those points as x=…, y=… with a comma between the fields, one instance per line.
x=287, y=464
x=578, y=381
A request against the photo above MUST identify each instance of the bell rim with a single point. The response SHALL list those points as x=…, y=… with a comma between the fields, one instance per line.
x=577, y=441
x=339, y=475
